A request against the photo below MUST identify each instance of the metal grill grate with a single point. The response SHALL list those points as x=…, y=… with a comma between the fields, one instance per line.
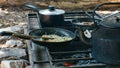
x=42, y=57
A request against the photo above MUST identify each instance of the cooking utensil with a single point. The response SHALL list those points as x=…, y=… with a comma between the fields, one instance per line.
x=105, y=38
x=83, y=25
x=50, y=17
x=46, y=31
x=4, y=33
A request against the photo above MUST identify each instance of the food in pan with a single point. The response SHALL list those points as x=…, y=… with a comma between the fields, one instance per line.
x=55, y=38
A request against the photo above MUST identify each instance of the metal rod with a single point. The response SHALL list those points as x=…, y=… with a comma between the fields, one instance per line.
x=71, y=59
x=49, y=57
x=38, y=18
x=33, y=21
x=62, y=60
x=70, y=52
x=87, y=65
x=68, y=15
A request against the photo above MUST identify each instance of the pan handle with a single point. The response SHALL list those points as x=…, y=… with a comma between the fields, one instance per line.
x=81, y=36
x=34, y=8
x=6, y=33
x=100, y=5
x=22, y=36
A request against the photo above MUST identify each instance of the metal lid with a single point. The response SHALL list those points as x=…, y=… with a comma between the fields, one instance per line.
x=52, y=11
x=112, y=21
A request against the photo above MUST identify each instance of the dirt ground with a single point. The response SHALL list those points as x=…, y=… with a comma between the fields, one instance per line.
x=67, y=5
x=12, y=15
x=14, y=11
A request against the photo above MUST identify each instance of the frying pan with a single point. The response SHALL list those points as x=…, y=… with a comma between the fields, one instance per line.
x=43, y=31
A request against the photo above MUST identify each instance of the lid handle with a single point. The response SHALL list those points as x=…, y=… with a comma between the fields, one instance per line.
x=117, y=19
x=51, y=8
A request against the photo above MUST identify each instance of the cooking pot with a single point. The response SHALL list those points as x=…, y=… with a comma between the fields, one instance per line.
x=105, y=39
x=50, y=17
x=36, y=34
x=82, y=25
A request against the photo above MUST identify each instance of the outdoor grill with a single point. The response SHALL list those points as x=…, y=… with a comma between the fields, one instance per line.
x=77, y=55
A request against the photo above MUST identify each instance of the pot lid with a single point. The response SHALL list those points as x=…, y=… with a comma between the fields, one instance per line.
x=112, y=21
x=52, y=11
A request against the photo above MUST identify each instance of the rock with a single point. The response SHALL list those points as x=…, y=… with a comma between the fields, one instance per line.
x=18, y=52
x=3, y=12
x=4, y=37
x=3, y=40
x=12, y=28
x=13, y=43
x=13, y=64
x=1, y=25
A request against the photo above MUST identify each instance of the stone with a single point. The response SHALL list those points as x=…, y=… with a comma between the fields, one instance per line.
x=3, y=12
x=13, y=64
x=15, y=52
x=4, y=37
x=1, y=25
x=14, y=43
x=12, y=28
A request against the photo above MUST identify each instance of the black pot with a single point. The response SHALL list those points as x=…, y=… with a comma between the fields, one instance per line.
x=82, y=26
x=106, y=45
x=50, y=17
x=105, y=38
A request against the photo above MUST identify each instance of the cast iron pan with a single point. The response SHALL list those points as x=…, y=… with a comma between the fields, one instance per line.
x=56, y=31
x=35, y=35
